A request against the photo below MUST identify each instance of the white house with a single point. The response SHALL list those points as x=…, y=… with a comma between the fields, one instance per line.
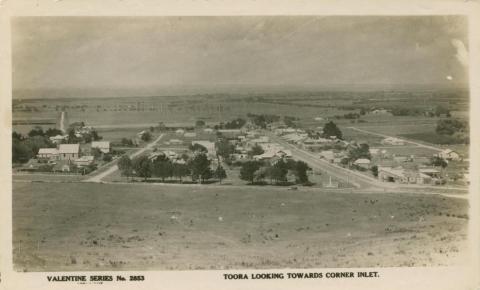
x=104, y=146
x=190, y=135
x=84, y=160
x=58, y=139
x=449, y=154
x=362, y=162
x=208, y=130
x=49, y=153
x=175, y=142
x=393, y=141
x=374, y=151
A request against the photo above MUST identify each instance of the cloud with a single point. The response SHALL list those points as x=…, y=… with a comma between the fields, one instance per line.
x=462, y=52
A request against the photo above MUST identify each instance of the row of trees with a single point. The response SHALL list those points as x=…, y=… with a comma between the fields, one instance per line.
x=451, y=127
x=263, y=120
x=234, y=124
x=198, y=168
x=86, y=137
x=281, y=171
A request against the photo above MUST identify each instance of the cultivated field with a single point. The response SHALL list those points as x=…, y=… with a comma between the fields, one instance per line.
x=90, y=226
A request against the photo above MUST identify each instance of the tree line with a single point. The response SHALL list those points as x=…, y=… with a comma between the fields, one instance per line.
x=197, y=167
x=26, y=147
x=280, y=172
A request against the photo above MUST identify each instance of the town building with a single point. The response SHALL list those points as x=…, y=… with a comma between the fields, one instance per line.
x=104, y=146
x=393, y=141
x=84, y=160
x=58, y=139
x=362, y=162
x=449, y=154
x=403, y=176
x=48, y=153
x=68, y=151
x=190, y=135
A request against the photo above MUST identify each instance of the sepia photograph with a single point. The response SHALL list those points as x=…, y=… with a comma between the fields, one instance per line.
x=257, y=142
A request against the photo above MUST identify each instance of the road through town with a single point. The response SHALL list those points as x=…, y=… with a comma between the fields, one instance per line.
x=98, y=177
x=357, y=179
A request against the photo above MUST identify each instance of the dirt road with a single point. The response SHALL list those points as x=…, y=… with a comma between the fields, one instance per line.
x=406, y=141
x=98, y=177
x=357, y=179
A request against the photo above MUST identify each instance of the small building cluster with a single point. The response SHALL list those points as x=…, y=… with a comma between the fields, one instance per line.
x=64, y=156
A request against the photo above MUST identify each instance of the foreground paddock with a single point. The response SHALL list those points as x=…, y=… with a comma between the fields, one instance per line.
x=85, y=226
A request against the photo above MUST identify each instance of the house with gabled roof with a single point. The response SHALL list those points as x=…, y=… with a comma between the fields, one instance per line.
x=68, y=151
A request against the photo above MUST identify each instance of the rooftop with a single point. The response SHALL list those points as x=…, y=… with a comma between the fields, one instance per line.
x=68, y=148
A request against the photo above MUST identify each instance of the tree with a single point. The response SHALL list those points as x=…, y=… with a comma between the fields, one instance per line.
x=96, y=152
x=357, y=152
x=441, y=110
x=126, y=142
x=200, y=167
x=125, y=166
x=107, y=157
x=36, y=131
x=279, y=171
x=36, y=142
x=180, y=170
x=17, y=136
x=374, y=170
x=53, y=132
x=95, y=136
x=161, y=126
x=331, y=129
x=300, y=170
x=21, y=153
x=224, y=148
x=450, y=126
x=146, y=136
x=206, y=174
x=220, y=173
x=289, y=121
x=261, y=174
x=72, y=138
x=199, y=123
x=247, y=171
x=256, y=150
x=234, y=124
x=162, y=167
x=142, y=167
x=438, y=161
x=197, y=148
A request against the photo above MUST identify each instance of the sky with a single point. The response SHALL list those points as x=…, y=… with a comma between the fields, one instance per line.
x=135, y=53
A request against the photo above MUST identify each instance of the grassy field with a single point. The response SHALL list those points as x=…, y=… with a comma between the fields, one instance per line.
x=87, y=226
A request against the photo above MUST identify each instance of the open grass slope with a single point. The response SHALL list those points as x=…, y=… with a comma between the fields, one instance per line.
x=87, y=226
